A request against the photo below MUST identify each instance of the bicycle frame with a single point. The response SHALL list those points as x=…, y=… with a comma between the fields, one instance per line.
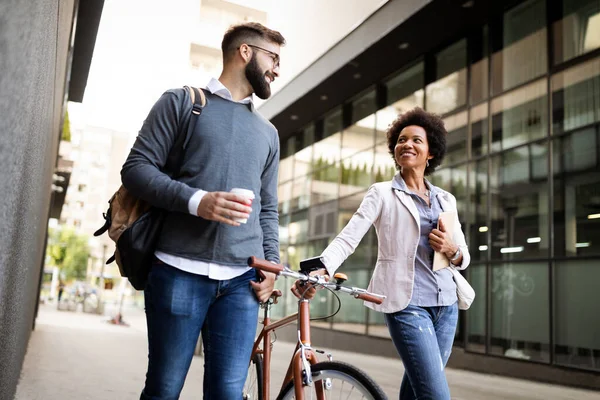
x=303, y=355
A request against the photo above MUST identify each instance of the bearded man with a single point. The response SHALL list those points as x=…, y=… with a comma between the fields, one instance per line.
x=199, y=280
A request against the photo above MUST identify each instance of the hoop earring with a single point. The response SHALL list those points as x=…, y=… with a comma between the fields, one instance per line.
x=427, y=163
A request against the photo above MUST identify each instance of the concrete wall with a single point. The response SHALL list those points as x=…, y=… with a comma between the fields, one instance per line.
x=34, y=42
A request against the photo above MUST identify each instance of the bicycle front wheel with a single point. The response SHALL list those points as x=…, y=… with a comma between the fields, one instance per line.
x=253, y=385
x=339, y=381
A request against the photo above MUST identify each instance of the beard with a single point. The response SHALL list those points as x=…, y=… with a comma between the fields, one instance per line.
x=256, y=77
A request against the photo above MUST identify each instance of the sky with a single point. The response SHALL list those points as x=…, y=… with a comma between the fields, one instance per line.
x=142, y=49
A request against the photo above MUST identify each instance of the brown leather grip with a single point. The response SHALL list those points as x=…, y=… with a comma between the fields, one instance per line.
x=264, y=265
x=368, y=297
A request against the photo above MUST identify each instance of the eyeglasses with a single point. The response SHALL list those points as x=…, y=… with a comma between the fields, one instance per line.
x=273, y=55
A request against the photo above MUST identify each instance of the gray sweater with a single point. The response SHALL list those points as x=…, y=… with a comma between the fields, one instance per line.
x=231, y=146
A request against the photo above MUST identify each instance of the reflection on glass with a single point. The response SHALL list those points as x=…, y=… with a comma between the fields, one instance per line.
x=325, y=184
x=576, y=97
x=284, y=220
x=479, y=68
x=405, y=85
x=352, y=316
x=479, y=130
x=519, y=116
x=524, y=51
x=520, y=311
x=387, y=115
x=327, y=151
x=286, y=169
x=303, y=157
x=300, y=193
x=577, y=194
x=384, y=168
x=519, y=205
x=578, y=32
x=477, y=211
x=357, y=172
x=284, y=194
x=456, y=141
x=576, y=334
x=476, y=317
x=323, y=224
x=450, y=89
x=453, y=180
x=297, y=231
x=358, y=136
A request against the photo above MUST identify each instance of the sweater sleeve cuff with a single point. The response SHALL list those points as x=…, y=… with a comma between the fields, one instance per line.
x=194, y=202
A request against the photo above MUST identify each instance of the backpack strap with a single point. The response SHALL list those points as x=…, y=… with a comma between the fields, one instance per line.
x=198, y=100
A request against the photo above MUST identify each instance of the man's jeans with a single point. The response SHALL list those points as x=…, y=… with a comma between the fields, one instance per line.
x=178, y=305
x=423, y=337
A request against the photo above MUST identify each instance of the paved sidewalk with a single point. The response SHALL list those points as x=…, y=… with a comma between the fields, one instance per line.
x=79, y=356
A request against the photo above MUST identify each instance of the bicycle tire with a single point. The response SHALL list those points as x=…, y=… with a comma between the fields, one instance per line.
x=253, y=387
x=340, y=371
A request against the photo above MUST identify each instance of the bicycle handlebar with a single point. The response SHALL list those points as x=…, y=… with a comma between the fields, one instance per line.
x=279, y=269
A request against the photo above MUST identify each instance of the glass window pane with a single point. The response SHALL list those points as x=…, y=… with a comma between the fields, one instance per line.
x=300, y=193
x=578, y=32
x=449, y=91
x=523, y=56
x=519, y=205
x=477, y=210
x=303, y=157
x=357, y=172
x=577, y=195
x=404, y=86
x=454, y=180
x=456, y=141
x=476, y=317
x=520, y=311
x=576, y=97
x=286, y=169
x=284, y=194
x=479, y=130
x=284, y=220
x=298, y=230
x=520, y=116
x=576, y=335
x=352, y=316
x=479, y=71
x=325, y=184
x=361, y=134
x=323, y=224
x=384, y=167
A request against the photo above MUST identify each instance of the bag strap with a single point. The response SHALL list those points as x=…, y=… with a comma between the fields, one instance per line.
x=184, y=133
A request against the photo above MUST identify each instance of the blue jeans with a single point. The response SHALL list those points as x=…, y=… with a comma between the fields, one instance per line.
x=423, y=337
x=178, y=306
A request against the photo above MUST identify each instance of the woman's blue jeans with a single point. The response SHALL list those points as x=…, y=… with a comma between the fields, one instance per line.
x=423, y=337
x=178, y=306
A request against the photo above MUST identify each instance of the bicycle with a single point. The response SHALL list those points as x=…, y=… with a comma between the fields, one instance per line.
x=306, y=375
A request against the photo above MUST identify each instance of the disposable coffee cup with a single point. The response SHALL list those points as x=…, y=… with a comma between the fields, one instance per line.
x=249, y=194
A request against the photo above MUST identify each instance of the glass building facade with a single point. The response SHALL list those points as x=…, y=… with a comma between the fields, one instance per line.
x=520, y=97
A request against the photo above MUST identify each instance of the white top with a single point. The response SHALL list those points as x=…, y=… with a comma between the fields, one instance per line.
x=212, y=270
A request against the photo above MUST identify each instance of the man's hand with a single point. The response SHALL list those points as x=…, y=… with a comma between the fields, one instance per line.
x=301, y=289
x=264, y=289
x=441, y=241
x=224, y=207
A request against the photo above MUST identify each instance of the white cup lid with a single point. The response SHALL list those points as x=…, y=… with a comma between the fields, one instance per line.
x=243, y=192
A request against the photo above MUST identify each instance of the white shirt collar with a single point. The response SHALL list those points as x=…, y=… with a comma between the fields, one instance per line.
x=216, y=87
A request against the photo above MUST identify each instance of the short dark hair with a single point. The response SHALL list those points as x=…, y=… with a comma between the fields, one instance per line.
x=434, y=128
x=239, y=34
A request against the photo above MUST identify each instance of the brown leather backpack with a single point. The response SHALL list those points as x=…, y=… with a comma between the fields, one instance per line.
x=133, y=224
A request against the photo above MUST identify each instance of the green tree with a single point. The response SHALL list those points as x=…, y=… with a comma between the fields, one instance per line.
x=66, y=129
x=68, y=251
